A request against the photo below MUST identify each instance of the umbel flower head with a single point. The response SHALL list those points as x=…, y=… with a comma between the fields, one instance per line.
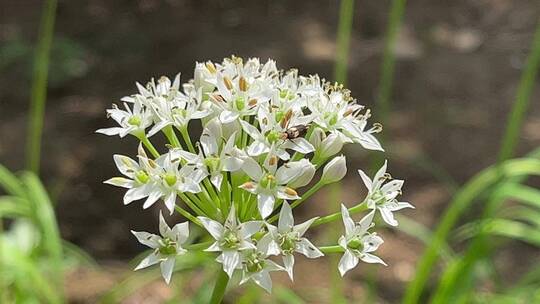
x=270, y=140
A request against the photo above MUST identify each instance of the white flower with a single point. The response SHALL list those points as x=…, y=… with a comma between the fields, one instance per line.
x=171, y=179
x=210, y=160
x=337, y=112
x=257, y=267
x=287, y=239
x=382, y=195
x=271, y=182
x=357, y=242
x=231, y=238
x=334, y=170
x=166, y=248
x=238, y=97
x=273, y=125
x=132, y=121
x=173, y=107
x=139, y=180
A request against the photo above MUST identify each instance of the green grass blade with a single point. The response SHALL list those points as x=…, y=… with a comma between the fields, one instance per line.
x=456, y=280
x=45, y=219
x=39, y=85
x=422, y=233
x=525, y=194
x=387, y=68
x=11, y=183
x=463, y=199
x=346, y=14
x=523, y=97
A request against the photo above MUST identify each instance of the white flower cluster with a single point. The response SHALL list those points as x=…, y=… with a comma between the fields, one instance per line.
x=265, y=133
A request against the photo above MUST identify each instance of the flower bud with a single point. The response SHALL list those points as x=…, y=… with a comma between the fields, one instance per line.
x=330, y=145
x=308, y=171
x=316, y=138
x=334, y=170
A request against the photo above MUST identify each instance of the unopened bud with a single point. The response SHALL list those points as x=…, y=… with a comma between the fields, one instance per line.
x=334, y=170
x=330, y=146
x=308, y=171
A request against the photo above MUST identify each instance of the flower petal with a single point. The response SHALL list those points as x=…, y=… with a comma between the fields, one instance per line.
x=167, y=268
x=348, y=261
x=214, y=228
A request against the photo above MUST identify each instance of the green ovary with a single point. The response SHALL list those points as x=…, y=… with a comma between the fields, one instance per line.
x=168, y=247
x=170, y=179
x=142, y=176
x=134, y=120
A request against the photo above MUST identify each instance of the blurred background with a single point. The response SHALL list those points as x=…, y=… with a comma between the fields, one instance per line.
x=458, y=69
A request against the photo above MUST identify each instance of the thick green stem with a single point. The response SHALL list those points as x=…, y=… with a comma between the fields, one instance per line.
x=219, y=288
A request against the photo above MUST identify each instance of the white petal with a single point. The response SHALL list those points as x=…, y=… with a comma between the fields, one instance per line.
x=302, y=228
x=146, y=238
x=230, y=260
x=152, y=198
x=301, y=145
x=134, y=194
x=228, y=116
x=216, y=180
x=388, y=216
x=180, y=232
x=110, y=131
x=251, y=130
x=248, y=229
x=120, y=182
x=158, y=127
x=150, y=260
x=209, y=143
x=401, y=205
x=263, y=279
x=370, y=258
x=252, y=169
x=170, y=202
x=232, y=164
x=365, y=222
x=167, y=268
x=125, y=165
x=257, y=148
x=265, y=203
x=214, y=228
x=306, y=248
x=366, y=180
x=347, y=221
x=163, y=227
x=348, y=261
x=288, y=263
x=369, y=142
x=286, y=220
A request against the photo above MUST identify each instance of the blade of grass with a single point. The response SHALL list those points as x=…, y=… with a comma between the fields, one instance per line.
x=523, y=98
x=387, y=68
x=45, y=218
x=470, y=191
x=39, y=85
